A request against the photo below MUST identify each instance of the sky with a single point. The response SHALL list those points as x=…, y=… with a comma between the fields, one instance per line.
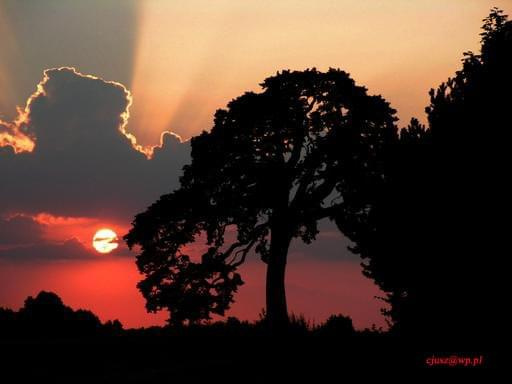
x=98, y=99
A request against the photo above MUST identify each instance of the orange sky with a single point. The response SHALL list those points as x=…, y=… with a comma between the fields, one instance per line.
x=184, y=59
x=193, y=57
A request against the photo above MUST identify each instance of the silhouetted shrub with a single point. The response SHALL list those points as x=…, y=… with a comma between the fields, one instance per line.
x=337, y=325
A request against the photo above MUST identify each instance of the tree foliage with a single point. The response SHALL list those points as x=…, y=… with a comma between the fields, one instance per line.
x=311, y=145
x=438, y=239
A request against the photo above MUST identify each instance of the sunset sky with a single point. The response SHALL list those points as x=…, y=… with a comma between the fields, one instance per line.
x=87, y=89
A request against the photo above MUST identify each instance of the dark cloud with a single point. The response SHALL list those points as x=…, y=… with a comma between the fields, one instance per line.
x=22, y=239
x=18, y=230
x=83, y=163
x=68, y=250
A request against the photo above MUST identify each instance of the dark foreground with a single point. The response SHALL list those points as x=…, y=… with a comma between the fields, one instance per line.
x=49, y=342
x=225, y=353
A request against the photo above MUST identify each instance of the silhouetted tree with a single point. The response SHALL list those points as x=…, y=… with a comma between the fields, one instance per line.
x=8, y=322
x=113, y=327
x=439, y=236
x=309, y=146
x=46, y=316
x=394, y=239
x=470, y=118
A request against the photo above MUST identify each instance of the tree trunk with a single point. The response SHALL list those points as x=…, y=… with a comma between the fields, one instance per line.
x=277, y=311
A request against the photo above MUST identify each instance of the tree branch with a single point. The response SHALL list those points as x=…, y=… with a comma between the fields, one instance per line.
x=244, y=252
x=231, y=248
x=255, y=235
x=300, y=136
x=323, y=191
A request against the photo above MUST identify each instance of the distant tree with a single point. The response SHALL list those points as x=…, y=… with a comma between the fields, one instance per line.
x=113, y=327
x=439, y=238
x=310, y=146
x=7, y=321
x=85, y=322
x=47, y=316
x=6, y=314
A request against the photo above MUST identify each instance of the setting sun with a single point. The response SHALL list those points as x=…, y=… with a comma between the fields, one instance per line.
x=105, y=240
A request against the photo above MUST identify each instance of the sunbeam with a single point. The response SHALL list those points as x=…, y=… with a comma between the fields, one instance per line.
x=94, y=36
x=9, y=59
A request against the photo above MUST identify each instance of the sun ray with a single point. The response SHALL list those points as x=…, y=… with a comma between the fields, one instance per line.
x=9, y=59
x=182, y=68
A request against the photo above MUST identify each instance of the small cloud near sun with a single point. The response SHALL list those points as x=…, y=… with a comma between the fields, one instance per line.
x=45, y=237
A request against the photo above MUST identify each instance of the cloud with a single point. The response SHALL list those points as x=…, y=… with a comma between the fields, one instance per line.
x=16, y=134
x=29, y=238
x=50, y=33
x=24, y=238
x=71, y=249
x=83, y=161
x=11, y=135
x=19, y=229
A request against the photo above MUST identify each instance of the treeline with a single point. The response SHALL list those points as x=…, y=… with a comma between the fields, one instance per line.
x=46, y=316
x=47, y=340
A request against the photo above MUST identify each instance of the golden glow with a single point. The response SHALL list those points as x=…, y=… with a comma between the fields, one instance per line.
x=11, y=135
x=191, y=58
x=10, y=54
x=194, y=57
x=15, y=133
x=186, y=65
x=105, y=240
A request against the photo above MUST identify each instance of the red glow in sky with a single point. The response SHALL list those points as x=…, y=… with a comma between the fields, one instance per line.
x=107, y=287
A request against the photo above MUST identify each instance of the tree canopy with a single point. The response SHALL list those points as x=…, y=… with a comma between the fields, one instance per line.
x=438, y=237
x=311, y=145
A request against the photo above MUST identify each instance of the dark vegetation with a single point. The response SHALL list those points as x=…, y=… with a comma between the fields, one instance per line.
x=422, y=206
x=46, y=340
x=46, y=316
